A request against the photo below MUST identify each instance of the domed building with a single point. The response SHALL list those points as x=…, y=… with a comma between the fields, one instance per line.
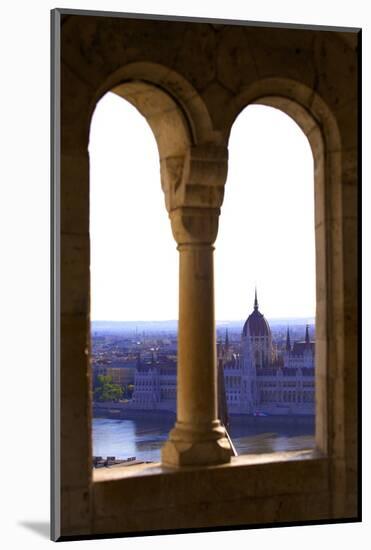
x=255, y=382
x=259, y=382
x=257, y=329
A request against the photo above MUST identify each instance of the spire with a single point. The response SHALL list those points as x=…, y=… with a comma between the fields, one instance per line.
x=226, y=339
x=218, y=350
x=256, y=305
x=307, y=341
x=288, y=342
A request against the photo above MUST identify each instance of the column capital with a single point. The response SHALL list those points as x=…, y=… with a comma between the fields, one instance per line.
x=197, y=179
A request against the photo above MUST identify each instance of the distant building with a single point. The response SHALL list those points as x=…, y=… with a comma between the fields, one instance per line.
x=260, y=381
x=155, y=384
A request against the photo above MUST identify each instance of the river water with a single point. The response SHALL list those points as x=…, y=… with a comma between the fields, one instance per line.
x=143, y=438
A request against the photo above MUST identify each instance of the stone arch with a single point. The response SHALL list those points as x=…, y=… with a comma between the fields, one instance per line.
x=319, y=125
x=176, y=114
x=182, y=127
x=181, y=96
x=193, y=171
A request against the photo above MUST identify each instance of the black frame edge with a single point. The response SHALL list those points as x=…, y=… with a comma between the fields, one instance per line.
x=206, y=20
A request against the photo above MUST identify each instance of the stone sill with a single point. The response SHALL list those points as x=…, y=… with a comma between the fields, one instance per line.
x=244, y=461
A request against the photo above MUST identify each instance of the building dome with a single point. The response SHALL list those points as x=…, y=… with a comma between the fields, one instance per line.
x=256, y=324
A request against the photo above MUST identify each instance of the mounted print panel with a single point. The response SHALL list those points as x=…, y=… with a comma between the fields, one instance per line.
x=205, y=362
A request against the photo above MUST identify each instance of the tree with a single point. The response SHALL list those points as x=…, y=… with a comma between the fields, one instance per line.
x=106, y=390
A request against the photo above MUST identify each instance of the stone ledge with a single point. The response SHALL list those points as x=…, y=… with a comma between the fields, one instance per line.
x=151, y=469
x=251, y=489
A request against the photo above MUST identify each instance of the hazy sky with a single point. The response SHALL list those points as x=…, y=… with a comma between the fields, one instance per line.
x=266, y=230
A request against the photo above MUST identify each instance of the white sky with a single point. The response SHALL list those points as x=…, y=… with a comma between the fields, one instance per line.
x=266, y=230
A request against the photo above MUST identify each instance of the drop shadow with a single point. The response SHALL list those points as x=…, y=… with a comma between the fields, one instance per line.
x=42, y=528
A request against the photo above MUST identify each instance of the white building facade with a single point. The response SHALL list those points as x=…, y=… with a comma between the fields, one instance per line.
x=155, y=385
x=259, y=381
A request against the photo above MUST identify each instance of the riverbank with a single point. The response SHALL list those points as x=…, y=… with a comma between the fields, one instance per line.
x=123, y=412
x=131, y=414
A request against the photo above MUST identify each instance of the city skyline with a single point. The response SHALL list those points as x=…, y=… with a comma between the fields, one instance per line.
x=132, y=321
x=263, y=370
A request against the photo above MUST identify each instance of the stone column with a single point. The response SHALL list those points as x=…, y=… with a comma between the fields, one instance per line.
x=198, y=437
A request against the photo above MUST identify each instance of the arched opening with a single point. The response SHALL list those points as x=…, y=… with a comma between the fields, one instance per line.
x=134, y=277
x=266, y=245
x=192, y=178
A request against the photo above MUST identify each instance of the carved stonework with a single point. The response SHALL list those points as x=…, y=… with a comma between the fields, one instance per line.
x=196, y=180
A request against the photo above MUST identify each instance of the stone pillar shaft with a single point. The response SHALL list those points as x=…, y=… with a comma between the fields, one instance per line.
x=198, y=438
x=196, y=395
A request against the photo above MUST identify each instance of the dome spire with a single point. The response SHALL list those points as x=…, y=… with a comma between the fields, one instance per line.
x=256, y=305
x=256, y=324
x=307, y=334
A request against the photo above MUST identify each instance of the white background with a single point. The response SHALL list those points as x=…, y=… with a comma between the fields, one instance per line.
x=266, y=227
x=24, y=270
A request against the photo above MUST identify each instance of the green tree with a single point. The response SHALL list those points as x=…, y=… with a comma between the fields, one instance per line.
x=128, y=390
x=106, y=390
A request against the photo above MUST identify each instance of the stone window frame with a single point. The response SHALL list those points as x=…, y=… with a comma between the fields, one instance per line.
x=318, y=485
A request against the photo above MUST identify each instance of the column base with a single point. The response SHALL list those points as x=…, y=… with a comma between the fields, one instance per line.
x=195, y=445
